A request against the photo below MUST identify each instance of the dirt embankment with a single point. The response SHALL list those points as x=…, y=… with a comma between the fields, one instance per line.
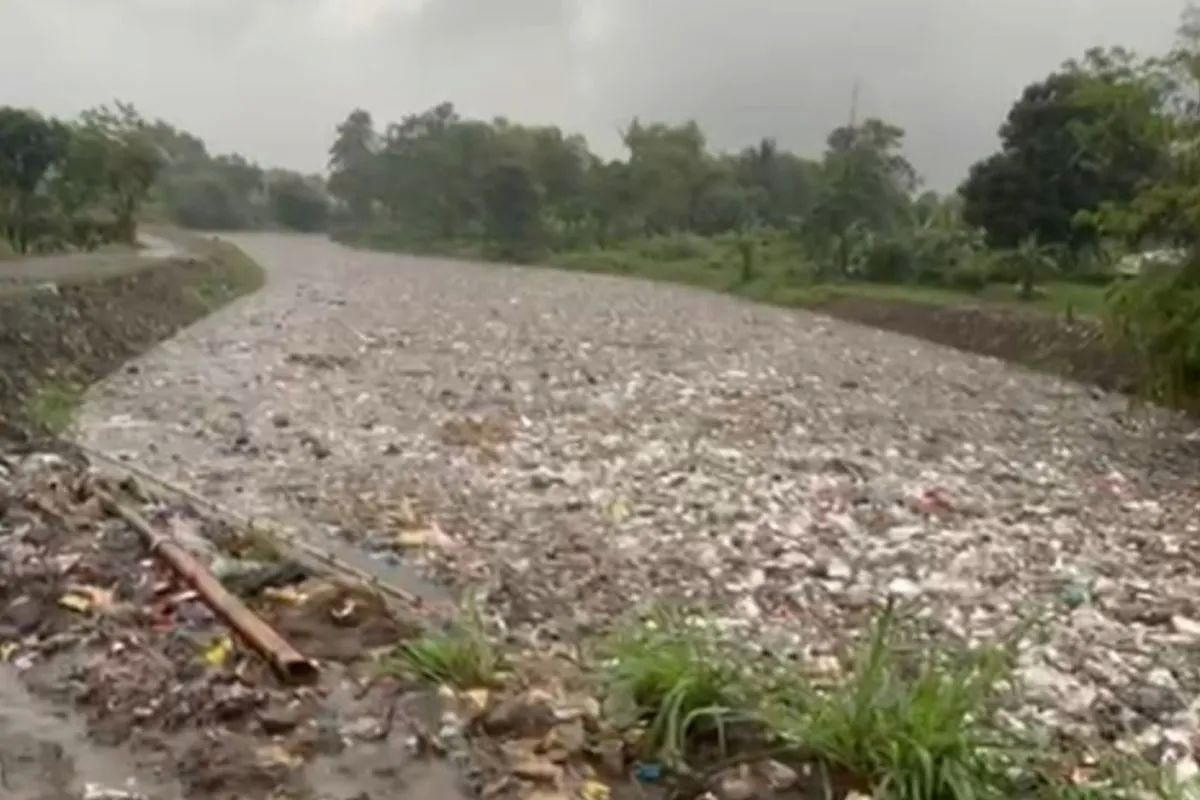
x=57, y=337
x=1077, y=350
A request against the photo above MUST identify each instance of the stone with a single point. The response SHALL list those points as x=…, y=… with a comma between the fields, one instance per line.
x=365, y=728
x=529, y=714
x=779, y=775
x=535, y=769
x=570, y=736
x=23, y=614
x=737, y=783
x=279, y=718
x=611, y=753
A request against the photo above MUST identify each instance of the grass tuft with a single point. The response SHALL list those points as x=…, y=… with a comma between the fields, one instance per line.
x=675, y=677
x=460, y=655
x=910, y=726
x=51, y=405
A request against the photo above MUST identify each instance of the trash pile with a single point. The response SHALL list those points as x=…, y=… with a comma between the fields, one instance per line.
x=174, y=702
x=578, y=447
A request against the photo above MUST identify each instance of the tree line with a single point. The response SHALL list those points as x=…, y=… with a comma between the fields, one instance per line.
x=1099, y=162
x=82, y=183
x=436, y=176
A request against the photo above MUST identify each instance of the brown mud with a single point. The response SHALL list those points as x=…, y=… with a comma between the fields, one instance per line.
x=118, y=677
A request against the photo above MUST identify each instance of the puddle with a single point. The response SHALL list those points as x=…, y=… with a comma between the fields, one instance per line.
x=45, y=753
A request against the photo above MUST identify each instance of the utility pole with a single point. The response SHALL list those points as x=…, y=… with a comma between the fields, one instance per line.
x=854, y=104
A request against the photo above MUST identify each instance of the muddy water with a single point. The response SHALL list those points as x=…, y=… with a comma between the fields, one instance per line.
x=45, y=753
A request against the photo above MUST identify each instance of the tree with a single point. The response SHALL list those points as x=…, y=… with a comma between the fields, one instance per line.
x=866, y=185
x=513, y=208
x=669, y=171
x=206, y=201
x=245, y=178
x=1084, y=136
x=132, y=164
x=1157, y=314
x=784, y=184
x=352, y=166
x=298, y=203
x=81, y=177
x=29, y=146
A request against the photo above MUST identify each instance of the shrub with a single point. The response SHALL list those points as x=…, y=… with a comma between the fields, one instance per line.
x=969, y=277
x=206, y=202
x=889, y=260
x=593, y=261
x=1158, y=314
x=677, y=247
x=298, y=205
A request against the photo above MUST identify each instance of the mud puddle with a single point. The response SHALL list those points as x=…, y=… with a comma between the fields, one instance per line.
x=45, y=753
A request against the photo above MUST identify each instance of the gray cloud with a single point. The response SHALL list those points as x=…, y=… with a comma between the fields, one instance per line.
x=271, y=78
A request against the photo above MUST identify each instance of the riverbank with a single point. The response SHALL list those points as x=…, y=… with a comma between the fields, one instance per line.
x=66, y=323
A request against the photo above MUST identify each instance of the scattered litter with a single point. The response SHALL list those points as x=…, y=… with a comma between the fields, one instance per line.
x=217, y=654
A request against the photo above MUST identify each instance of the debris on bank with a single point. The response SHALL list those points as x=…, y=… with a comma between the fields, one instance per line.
x=94, y=621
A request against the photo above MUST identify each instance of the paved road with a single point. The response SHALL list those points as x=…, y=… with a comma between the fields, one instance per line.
x=574, y=445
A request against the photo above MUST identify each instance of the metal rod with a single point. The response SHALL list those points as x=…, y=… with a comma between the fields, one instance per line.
x=287, y=662
x=270, y=531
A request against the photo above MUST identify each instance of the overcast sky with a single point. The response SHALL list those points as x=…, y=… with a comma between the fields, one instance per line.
x=271, y=78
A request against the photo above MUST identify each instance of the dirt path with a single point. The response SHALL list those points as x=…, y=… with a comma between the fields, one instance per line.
x=73, y=267
x=576, y=445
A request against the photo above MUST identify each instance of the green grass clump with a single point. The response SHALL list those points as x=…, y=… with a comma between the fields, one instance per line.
x=910, y=727
x=460, y=655
x=903, y=725
x=677, y=679
x=51, y=405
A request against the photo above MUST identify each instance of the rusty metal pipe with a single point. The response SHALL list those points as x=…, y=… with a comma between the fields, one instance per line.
x=287, y=662
x=297, y=546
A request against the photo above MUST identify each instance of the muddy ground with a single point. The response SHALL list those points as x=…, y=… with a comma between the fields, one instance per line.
x=118, y=681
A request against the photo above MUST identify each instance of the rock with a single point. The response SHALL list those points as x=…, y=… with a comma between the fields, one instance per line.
x=24, y=614
x=234, y=701
x=280, y=419
x=611, y=753
x=474, y=701
x=365, y=728
x=529, y=714
x=738, y=783
x=779, y=775
x=570, y=736
x=535, y=769
x=280, y=718
x=1154, y=701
